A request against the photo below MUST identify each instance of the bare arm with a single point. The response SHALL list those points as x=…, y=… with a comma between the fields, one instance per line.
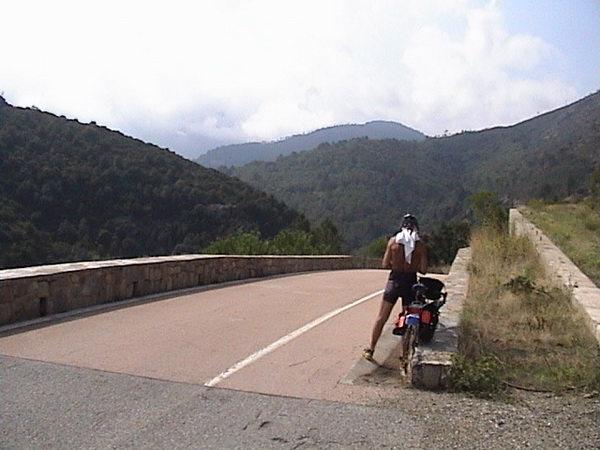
x=386, y=263
x=423, y=263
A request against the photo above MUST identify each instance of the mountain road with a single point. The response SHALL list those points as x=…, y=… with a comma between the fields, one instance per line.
x=262, y=364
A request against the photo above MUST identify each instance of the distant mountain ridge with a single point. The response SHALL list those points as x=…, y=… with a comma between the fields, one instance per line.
x=240, y=154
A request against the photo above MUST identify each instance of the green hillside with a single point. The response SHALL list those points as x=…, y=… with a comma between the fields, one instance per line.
x=366, y=185
x=549, y=156
x=70, y=191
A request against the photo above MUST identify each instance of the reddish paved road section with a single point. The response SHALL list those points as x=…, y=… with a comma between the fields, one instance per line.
x=197, y=336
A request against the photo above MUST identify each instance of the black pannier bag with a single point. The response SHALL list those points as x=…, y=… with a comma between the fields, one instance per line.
x=434, y=287
x=431, y=311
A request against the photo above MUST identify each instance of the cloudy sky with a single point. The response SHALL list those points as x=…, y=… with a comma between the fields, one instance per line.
x=191, y=75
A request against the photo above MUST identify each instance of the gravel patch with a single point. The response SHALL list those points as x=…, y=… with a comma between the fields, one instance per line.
x=520, y=420
x=517, y=419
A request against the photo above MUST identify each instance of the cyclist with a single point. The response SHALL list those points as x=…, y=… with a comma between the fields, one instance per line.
x=405, y=255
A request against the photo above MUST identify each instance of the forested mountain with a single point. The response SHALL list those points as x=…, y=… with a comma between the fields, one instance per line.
x=70, y=191
x=240, y=154
x=366, y=185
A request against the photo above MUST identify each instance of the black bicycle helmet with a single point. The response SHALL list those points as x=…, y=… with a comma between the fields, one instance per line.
x=410, y=221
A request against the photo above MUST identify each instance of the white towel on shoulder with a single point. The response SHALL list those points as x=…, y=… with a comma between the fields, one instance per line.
x=409, y=240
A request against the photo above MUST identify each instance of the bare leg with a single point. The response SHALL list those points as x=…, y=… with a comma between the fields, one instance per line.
x=384, y=314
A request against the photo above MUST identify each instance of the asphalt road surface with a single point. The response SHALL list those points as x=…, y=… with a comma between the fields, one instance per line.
x=267, y=364
x=294, y=336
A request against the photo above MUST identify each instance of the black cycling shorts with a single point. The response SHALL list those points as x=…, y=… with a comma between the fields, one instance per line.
x=400, y=285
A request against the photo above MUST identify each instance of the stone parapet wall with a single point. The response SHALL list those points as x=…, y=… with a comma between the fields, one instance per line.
x=585, y=294
x=34, y=292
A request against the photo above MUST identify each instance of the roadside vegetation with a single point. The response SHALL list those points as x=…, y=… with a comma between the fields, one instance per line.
x=574, y=228
x=299, y=239
x=518, y=329
x=325, y=239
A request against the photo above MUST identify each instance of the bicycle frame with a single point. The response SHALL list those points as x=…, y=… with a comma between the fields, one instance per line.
x=414, y=315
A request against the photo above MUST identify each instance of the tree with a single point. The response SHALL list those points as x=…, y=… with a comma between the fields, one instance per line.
x=240, y=244
x=289, y=241
x=294, y=242
x=445, y=241
x=595, y=187
x=328, y=236
x=67, y=232
x=376, y=248
x=488, y=210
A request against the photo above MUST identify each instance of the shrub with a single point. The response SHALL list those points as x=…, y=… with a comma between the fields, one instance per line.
x=480, y=376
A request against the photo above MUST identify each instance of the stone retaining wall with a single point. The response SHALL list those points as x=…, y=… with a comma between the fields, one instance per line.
x=585, y=294
x=34, y=292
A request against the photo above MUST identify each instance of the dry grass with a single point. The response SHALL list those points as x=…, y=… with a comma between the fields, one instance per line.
x=516, y=317
x=574, y=228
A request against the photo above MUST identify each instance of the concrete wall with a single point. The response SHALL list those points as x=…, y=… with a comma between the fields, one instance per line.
x=586, y=295
x=34, y=292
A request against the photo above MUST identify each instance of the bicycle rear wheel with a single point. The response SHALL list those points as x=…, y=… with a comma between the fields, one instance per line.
x=409, y=341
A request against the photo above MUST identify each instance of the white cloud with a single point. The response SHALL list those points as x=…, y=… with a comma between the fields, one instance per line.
x=236, y=70
x=481, y=78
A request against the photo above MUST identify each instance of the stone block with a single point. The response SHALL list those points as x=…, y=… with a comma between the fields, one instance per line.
x=43, y=288
x=7, y=292
x=430, y=370
x=25, y=309
x=6, y=313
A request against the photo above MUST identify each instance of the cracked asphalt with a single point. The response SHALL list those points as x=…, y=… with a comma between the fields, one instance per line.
x=52, y=406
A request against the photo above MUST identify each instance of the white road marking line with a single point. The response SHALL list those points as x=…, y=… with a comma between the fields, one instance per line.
x=285, y=339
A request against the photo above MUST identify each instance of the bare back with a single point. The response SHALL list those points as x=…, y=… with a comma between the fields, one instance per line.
x=394, y=258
